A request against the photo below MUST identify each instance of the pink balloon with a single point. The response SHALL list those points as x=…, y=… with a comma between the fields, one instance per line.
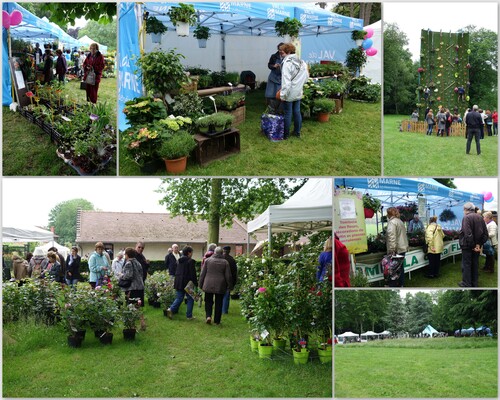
x=16, y=17
x=371, y=51
x=5, y=19
x=369, y=33
x=487, y=196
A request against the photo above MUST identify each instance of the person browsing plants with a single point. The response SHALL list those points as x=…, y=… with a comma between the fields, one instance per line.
x=93, y=64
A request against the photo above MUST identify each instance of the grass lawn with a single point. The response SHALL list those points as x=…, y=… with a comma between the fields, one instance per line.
x=450, y=273
x=28, y=151
x=432, y=368
x=178, y=358
x=415, y=154
x=349, y=144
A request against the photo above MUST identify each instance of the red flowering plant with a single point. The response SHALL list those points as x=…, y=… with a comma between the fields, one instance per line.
x=407, y=211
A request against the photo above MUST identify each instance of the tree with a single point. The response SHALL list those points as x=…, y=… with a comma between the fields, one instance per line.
x=63, y=218
x=448, y=182
x=220, y=200
x=395, y=315
x=419, y=311
x=66, y=13
x=101, y=33
x=368, y=12
x=399, y=72
x=483, y=58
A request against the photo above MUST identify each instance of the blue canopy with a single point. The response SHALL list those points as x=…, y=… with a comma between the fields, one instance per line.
x=396, y=191
x=30, y=29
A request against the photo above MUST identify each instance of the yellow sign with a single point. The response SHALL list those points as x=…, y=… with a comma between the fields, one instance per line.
x=349, y=220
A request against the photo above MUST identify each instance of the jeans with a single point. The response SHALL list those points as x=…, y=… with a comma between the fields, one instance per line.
x=495, y=128
x=209, y=305
x=476, y=134
x=71, y=282
x=430, y=127
x=470, y=267
x=225, y=302
x=178, y=301
x=292, y=108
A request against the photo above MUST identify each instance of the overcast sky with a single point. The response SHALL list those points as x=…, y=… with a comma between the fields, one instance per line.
x=436, y=16
x=28, y=201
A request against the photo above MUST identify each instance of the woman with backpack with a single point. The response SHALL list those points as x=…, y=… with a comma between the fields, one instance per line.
x=434, y=239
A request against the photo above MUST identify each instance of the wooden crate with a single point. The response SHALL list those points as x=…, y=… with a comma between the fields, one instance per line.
x=218, y=147
x=239, y=115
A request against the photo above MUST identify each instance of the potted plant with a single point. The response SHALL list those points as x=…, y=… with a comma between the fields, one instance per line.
x=355, y=59
x=358, y=36
x=204, y=124
x=323, y=107
x=182, y=17
x=162, y=72
x=74, y=317
x=288, y=28
x=130, y=316
x=176, y=150
x=102, y=312
x=222, y=121
x=155, y=27
x=371, y=205
x=202, y=33
x=447, y=215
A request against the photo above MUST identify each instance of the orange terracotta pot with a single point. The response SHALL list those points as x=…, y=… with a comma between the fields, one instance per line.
x=177, y=165
x=323, y=117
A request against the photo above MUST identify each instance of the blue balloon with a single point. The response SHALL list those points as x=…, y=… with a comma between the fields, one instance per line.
x=489, y=200
x=367, y=43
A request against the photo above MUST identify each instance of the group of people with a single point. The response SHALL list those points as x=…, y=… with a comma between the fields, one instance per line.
x=218, y=275
x=285, y=85
x=478, y=234
x=93, y=61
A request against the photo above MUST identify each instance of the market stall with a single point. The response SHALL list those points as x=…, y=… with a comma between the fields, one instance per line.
x=26, y=234
x=424, y=196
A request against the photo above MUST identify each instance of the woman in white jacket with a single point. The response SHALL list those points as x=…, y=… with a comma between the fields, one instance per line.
x=294, y=74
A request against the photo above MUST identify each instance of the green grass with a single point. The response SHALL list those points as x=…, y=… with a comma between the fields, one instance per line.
x=415, y=154
x=176, y=358
x=349, y=144
x=28, y=151
x=433, y=368
x=449, y=275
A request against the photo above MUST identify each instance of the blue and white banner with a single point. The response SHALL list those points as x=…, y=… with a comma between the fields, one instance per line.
x=130, y=84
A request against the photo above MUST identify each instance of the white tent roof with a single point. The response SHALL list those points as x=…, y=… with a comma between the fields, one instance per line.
x=88, y=41
x=373, y=66
x=308, y=209
x=26, y=234
x=385, y=333
x=430, y=330
x=348, y=334
x=63, y=250
x=369, y=333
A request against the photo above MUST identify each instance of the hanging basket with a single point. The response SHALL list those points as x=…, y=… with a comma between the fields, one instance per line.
x=182, y=29
x=369, y=213
x=156, y=37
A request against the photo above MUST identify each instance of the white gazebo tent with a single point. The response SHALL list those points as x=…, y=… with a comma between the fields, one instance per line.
x=26, y=234
x=62, y=250
x=349, y=334
x=385, y=333
x=309, y=209
x=366, y=335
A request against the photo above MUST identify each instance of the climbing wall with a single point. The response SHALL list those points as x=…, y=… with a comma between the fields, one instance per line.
x=444, y=70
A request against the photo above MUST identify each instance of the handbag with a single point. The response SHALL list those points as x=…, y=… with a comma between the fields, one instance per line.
x=278, y=94
x=125, y=283
x=273, y=126
x=488, y=248
x=90, y=80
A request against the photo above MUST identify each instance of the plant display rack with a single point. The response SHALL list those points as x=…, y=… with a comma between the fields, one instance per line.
x=444, y=66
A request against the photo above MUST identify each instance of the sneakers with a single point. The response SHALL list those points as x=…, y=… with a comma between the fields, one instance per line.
x=169, y=313
x=209, y=320
x=191, y=318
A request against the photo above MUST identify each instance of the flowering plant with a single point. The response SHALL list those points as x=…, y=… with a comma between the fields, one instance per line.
x=131, y=314
x=407, y=211
x=159, y=287
x=102, y=309
x=141, y=143
x=74, y=311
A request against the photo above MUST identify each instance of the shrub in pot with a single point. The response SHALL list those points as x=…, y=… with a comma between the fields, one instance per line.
x=222, y=121
x=155, y=27
x=182, y=16
x=358, y=36
x=323, y=107
x=202, y=33
x=177, y=148
x=289, y=26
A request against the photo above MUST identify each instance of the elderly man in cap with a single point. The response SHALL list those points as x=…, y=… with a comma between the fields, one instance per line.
x=415, y=225
x=234, y=275
x=474, y=122
x=473, y=235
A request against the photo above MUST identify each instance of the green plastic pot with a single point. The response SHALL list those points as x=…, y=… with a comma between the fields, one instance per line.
x=254, y=344
x=279, y=345
x=265, y=350
x=325, y=355
x=300, y=357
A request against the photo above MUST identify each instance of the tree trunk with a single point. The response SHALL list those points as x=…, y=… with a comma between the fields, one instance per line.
x=351, y=13
x=214, y=218
x=367, y=13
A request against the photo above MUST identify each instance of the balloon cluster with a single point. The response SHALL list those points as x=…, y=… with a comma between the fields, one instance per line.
x=488, y=197
x=368, y=43
x=15, y=18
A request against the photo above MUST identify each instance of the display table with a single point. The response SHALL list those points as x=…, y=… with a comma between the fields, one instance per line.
x=220, y=89
x=217, y=147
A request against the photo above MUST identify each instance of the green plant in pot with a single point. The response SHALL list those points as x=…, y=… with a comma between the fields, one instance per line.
x=155, y=28
x=358, y=36
x=222, y=121
x=177, y=148
x=289, y=26
x=323, y=107
x=355, y=59
x=162, y=72
x=202, y=33
x=182, y=16
x=204, y=124
x=371, y=205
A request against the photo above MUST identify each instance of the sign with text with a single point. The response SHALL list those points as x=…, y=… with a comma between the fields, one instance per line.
x=350, y=220
x=414, y=260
